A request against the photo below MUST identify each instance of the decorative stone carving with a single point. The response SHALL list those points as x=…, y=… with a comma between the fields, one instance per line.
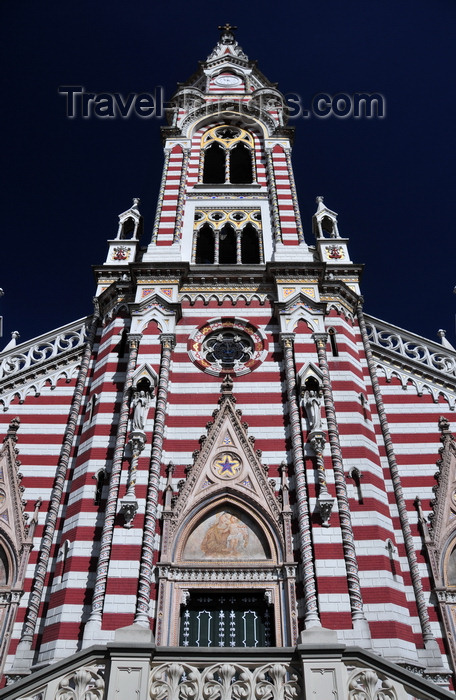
x=368, y=686
x=128, y=508
x=413, y=360
x=140, y=403
x=224, y=682
x=84, y=684
x=29, y=368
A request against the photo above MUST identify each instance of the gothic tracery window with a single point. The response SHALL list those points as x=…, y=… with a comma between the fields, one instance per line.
x=228, y=237
x=227, y=156
x=228, y=349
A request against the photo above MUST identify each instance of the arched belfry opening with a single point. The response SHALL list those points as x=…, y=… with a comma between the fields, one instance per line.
x=227, y=156
x=241, y=164
x=228, y=237
x=222, y=575
x=214, y=164
x=227, y=250
x=250, y=245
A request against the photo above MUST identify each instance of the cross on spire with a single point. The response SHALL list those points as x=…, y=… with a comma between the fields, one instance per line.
x=227, y=36
x=227, y=28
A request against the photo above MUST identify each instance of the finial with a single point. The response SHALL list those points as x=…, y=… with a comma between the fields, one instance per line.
x=446, y=343
x=444, y=425
x=136, y=201
x=15, y=335
x=12, y=429
x=319, y=199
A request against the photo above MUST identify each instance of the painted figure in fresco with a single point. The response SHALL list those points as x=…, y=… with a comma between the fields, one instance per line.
x=215, y=540
x=238, y=538
x=226, y=537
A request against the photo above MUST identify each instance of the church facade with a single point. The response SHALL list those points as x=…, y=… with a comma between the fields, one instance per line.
x=222, y=483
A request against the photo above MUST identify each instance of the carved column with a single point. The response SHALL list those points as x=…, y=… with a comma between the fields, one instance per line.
x=147, y=551
x=273, y=193
x=94, y=621
x=216, y=246
x=311, y=618
x=428, y=637
x=238, y=246
x=161, y=194
x=351, y=564
x=57, y=491
x=181, y=196
x=294, y=197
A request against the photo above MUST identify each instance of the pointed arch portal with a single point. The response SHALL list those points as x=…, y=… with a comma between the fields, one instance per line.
x=227, y=574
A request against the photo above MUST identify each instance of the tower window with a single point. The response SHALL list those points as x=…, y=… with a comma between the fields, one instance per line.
x=250, y=251
x=228, y=237
x=240, y=164
x=205, y=245
x=214, y=164
x=227, y=156
x=227, y=249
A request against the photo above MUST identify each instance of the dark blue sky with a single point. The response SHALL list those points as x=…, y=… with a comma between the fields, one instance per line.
x=392, y=180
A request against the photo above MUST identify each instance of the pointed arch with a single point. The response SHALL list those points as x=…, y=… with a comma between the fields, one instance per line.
x=227, y=250
x=214, y=164
x=205, y=245
x=7, y=564
x=250, y=245
x=241, y=164
x=226, y=530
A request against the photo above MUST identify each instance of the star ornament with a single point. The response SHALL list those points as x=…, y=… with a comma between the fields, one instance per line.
x=227, y=466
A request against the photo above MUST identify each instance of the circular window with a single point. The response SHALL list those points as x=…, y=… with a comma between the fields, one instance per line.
x=227, y=346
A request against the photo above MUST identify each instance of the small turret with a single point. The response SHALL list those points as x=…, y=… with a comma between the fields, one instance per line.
x=330, y=246
x=122, y=249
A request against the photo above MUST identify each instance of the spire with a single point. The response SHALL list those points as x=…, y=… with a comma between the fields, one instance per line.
x=227, y=46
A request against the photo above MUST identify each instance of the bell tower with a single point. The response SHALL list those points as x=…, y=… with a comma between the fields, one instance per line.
x=228, y=195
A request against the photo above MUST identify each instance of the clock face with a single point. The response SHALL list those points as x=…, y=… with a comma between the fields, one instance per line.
x=228, y=80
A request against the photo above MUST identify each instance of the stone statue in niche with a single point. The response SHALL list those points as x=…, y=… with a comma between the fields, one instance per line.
x=140, y=403
x=312, y=404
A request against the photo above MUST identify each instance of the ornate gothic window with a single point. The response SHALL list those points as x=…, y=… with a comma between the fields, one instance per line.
x=228, y=349
x=227, y=156
x=227, y=237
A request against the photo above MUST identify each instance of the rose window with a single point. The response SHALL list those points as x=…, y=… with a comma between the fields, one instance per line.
x=228, y=349
x=228, y=346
